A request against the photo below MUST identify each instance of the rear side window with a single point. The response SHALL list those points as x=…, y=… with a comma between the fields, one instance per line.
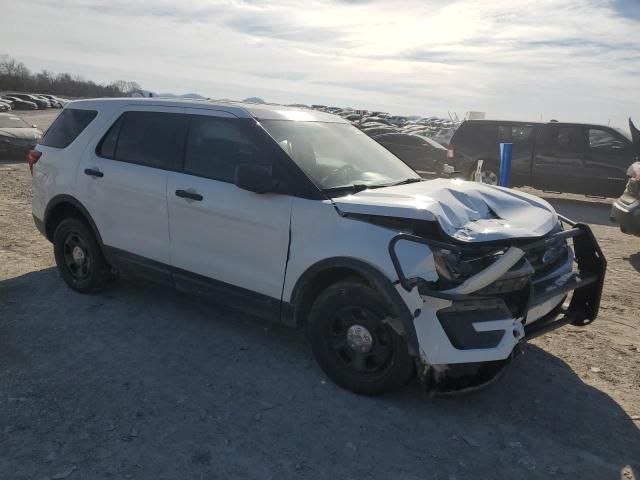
x=216, y=146
x=474, y=136
x=153, y=139
x=514, y=133
x=66, y=128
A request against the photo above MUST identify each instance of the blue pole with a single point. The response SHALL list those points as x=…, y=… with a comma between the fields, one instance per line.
x=506, y=149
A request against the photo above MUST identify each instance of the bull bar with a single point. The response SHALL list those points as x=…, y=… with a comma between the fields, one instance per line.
x=586, y=283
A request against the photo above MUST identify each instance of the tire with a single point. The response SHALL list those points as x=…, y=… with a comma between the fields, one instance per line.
x=340, y=343
x=79, y=258
x=490, y=174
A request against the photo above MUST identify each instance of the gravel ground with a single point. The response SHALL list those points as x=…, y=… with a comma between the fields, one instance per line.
x=141, y=382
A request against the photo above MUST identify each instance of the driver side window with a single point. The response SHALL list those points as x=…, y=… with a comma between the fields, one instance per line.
x=217, y=145
x=603, y=140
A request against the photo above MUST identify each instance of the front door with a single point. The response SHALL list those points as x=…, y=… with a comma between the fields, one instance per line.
x=226, y=242
x=608, y=159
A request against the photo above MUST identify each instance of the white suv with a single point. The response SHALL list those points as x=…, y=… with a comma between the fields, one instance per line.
x=297, y=216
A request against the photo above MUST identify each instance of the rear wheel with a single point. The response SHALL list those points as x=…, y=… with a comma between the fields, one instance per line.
x=79, y=258
x=353, y=345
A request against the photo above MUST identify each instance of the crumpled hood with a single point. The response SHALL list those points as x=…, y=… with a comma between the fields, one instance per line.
x=467, y=211
x=22, y=133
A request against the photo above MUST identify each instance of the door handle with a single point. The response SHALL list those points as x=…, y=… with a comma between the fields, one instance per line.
x=190, y=195
x=93, y=172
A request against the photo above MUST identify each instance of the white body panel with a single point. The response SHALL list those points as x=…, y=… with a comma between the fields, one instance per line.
x=232, y=235
x=128, y=204
x=55, y=172
x=467, y=211
x=318, y=232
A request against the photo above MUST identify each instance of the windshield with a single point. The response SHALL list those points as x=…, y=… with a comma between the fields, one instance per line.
x=337, y=154
x=11, y=121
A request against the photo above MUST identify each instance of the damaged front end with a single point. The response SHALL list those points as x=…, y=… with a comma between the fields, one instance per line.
x=488, y=298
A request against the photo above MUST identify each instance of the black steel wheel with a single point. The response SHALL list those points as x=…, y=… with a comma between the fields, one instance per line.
x=76, y=256
x=360, y=340
x=352, y=343
x=79, y=258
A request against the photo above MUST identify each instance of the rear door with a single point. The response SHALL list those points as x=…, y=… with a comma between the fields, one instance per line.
x=559, y=158
x=123, y=183
x=608, y=159
x=227, y=242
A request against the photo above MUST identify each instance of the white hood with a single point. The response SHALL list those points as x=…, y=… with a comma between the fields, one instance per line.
x=467, y=211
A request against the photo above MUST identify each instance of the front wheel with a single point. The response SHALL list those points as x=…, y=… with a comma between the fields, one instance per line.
x=351, y=342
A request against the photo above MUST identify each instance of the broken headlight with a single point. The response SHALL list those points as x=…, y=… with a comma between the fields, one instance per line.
x=454, y=267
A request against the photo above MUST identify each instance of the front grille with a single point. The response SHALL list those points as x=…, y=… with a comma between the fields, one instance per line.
x=548, y=258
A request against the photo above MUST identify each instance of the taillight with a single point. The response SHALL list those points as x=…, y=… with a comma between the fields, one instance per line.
x=450, y=151
x=32, y=159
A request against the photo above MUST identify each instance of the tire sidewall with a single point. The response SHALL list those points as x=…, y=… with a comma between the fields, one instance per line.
x=98, y=268
x=324, y=309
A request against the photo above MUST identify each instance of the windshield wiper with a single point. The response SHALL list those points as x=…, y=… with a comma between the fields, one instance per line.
x=393, y=184
x=354, y=187
x=358, y=187
x=406, y=181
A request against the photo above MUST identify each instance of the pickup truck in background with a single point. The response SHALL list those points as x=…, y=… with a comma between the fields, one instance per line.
x=563, y=157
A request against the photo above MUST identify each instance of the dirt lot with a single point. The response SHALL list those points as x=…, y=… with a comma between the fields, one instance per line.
x=141, y=382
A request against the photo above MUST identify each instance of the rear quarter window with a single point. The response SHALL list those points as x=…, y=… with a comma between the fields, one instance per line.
x=66, y=128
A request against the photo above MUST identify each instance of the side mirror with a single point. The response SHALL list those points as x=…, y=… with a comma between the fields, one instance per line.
x=255, y=178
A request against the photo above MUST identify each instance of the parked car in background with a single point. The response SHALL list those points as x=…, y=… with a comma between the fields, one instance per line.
x=5, y=106
x=311, y=223
x=55, y=101
x=420, y=153
x=626, y=209
x=50, y=103
x=20, y=104
x=377, y=120
x=379, y=130
x=443, y=135
x=40, y=102
x=16, y=137
x=564, y=157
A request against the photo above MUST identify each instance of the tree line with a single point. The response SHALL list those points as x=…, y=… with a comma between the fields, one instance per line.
x=15, y=76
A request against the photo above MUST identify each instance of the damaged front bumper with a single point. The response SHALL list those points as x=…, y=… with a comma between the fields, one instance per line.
x=487, y=316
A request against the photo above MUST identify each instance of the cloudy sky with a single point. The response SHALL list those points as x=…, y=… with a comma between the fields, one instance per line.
x=522, y=59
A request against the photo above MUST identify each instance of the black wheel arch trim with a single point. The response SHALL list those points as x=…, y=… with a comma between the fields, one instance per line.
x=65, y=198
x=379, y=280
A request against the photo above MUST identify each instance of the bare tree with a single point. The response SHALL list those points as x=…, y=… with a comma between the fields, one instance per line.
x=15, y=76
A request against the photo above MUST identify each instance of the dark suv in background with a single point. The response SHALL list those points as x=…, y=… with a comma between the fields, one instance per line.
x=565, y=157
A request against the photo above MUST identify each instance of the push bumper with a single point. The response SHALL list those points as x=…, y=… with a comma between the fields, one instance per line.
x=483, y=323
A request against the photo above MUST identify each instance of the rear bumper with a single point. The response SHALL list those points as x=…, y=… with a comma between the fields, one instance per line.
x=475, y=326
